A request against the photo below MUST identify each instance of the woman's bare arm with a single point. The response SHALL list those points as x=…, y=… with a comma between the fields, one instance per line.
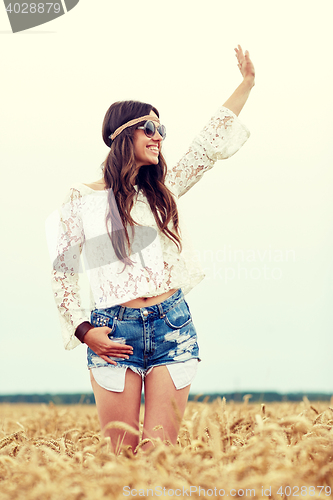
x=237, y=100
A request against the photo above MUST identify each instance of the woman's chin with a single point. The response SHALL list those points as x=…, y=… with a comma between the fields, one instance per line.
x=153, y=161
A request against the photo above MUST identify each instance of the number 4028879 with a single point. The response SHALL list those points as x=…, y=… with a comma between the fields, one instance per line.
x=33, y=8
x=299, y=491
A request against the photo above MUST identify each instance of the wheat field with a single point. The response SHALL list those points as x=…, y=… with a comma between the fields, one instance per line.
x=235, y=450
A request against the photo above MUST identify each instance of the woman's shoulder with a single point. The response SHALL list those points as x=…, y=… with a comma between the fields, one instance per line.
x=80, y=189
x=96, y=185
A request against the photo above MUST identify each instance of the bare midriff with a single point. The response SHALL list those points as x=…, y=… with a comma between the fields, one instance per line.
x=149, y=301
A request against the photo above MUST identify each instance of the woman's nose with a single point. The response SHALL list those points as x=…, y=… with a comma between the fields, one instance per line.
x=157, y=136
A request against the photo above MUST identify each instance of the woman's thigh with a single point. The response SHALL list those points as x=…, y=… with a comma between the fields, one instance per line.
x=120, y=407
x=164, y=405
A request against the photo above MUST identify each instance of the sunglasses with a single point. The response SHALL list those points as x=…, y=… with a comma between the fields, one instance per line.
x=150, y=128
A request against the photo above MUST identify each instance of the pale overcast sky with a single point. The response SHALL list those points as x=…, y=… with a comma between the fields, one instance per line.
x=262, y=221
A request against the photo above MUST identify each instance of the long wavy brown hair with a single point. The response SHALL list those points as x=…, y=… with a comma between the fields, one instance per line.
x=121, y=175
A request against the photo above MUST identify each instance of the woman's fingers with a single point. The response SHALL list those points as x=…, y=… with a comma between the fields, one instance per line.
x=112, y=346
x=121, y=352
x=107, y=352
x=108, y=360
x=98, y=341
x=120, y=347
x=245, y=64
x=239, y=53
x=110, y=351
x=117, y=353
x=116, y=349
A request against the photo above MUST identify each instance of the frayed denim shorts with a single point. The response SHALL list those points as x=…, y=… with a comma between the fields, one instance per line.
x=162, y=334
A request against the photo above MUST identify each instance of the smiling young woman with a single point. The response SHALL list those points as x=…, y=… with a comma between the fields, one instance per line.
x=139, y=328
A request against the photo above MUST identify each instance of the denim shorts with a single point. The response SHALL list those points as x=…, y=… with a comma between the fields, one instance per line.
x=162, y=334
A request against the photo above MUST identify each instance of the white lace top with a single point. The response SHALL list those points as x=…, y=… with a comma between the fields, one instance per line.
x=158, y=266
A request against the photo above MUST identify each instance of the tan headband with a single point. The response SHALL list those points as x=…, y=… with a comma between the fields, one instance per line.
x=132, y=122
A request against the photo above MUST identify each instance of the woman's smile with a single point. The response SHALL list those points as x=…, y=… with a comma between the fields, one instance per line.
x=154, y=148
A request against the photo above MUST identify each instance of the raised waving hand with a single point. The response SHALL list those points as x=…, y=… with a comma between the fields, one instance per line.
x=237, y=100
x=245, y=64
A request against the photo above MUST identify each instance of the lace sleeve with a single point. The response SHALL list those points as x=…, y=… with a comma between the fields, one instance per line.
x=67, y=266
x=222, y=137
